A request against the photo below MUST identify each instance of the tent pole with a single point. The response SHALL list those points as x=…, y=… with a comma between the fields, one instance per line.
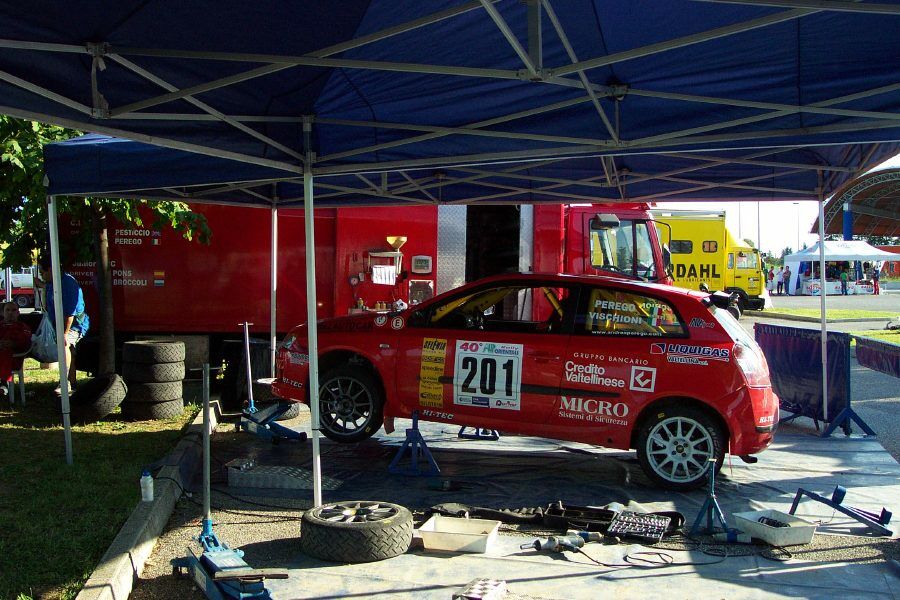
x=60, y=325
x=273, y=292
x=822, y=296
x=311, y=327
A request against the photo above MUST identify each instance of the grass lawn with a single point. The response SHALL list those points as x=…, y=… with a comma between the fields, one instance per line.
x=882, y=335
x=58, y=520
x=837, y=313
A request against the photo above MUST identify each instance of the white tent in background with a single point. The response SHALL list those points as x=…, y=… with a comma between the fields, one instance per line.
x=851, y=250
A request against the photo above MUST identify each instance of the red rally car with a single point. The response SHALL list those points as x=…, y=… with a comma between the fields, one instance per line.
x=601, y=360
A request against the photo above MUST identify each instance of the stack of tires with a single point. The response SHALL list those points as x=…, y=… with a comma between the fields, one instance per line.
x=154, y=373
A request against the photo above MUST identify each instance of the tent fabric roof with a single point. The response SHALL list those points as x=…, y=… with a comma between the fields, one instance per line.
x=100, y=165
x=841, y=250
x=874, y=201
x=384, y=85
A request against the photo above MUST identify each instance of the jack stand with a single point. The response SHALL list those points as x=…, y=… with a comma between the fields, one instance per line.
x=220, y=571
x=843, y=420
x=481, y=433
x=710, y=509
x=415, y=443
x=874, y=522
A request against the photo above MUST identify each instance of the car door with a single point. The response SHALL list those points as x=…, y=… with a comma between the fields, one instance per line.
x=488, y=357
x=610, y=370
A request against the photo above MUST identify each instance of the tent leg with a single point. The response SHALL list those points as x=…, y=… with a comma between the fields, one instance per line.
x=60, y=325
x=312, y=328
x=273, y=342
x=823, y=303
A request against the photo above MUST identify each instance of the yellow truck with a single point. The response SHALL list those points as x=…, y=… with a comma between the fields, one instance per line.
x=704, y=251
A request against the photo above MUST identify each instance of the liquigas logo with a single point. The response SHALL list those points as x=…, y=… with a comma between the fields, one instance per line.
x=690, y=354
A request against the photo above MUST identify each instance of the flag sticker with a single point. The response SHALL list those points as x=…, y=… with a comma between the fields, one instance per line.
x=159, y=278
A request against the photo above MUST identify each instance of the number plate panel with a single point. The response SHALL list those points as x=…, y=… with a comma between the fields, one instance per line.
x=488, y=375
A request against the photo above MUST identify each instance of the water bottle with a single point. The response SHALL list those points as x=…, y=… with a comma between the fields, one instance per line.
x=146, y=487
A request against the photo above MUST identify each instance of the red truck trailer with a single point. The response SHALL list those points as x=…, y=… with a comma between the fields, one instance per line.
x=164, y=285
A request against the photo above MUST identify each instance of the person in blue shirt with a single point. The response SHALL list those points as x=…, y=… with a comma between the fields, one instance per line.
x=75, y=320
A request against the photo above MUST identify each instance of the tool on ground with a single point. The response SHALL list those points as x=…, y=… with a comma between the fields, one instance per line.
x=220, y=571
x=418, y=450
x=587, y=536
x=556, y=544
x=640, y=526
x=482, y=589
x=711, y=509
x=264, y=422
x=733, y=536
x=875, y=522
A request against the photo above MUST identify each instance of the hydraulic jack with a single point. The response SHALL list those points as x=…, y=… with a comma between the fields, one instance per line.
x=875, y=522
x=220, y=571
x=264, y=422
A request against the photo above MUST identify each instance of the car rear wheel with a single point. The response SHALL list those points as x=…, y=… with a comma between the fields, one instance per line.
x=350, y=404
x=675, y=445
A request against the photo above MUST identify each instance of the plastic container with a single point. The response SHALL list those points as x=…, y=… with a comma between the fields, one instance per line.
x=799, y=531
x=146, y=487
x=452, y=534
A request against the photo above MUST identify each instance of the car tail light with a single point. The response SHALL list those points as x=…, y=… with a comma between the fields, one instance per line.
x=752, y=363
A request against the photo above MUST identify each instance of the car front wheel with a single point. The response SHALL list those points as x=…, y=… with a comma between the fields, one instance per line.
x=350, y=404
x=676, y=444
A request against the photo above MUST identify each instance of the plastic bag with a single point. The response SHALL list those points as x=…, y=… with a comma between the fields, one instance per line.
x=43, y=342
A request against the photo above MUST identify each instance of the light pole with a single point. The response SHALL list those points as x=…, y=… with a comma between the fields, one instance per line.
x=797, y=204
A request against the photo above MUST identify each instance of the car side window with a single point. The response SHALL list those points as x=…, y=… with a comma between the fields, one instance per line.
x=514, y=308
x=608, y=311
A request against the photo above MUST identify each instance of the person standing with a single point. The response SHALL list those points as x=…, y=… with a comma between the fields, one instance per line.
x=779, y=280
x=786, y=279
x=876, y=276
x=770, y=280
x=75, y=320
x=844, y=279
x=15, y=338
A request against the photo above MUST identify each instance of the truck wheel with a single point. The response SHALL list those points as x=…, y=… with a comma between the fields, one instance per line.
x=350, y=404
x=155, y=392
x=675, y=445
x=97, y=398
x=153, y=351
x=152, y=411
x=22, y=301
x=356, y=532
x=153, y=373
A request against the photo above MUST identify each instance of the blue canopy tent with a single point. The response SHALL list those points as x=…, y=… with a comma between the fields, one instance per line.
x=388, y=85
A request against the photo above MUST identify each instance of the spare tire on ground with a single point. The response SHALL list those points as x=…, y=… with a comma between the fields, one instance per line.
x=153, y=373
x=356, y=531
x=152, y=411
x=155, y=392
x=153, y=351
x=96, y=398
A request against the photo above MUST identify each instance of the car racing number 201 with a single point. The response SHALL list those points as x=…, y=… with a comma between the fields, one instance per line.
x=488, y=375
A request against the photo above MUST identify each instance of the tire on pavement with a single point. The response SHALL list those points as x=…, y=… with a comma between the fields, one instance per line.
x=155, y=392
x=97, y=398
x=153, y=373
x=22, y=301
x=365, y=532
x=153, y=351
x=152, y=411
x=675, y=444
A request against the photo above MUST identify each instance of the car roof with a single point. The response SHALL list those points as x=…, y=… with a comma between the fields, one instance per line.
x=565, y=278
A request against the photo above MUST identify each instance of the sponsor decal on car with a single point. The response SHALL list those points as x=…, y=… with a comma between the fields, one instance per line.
x=593, y=410
x=434, y=357
x=434, y=414
x=397, y=323
x=380, y=320
x=346, y=325
x=292, y=382
x=698, y=323
x=488, y=370
x=298, y=358
x=689, y=354
x=625, y=360
x=643, y=379
x=591, y=374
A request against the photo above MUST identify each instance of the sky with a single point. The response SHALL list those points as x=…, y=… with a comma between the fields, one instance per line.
x=783, y=223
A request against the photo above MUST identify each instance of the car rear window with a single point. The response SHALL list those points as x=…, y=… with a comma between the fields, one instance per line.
x=731, y=325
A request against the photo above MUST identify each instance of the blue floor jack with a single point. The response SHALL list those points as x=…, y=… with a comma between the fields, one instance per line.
x=220, y=571
x=875, y=522
x=263, y=422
